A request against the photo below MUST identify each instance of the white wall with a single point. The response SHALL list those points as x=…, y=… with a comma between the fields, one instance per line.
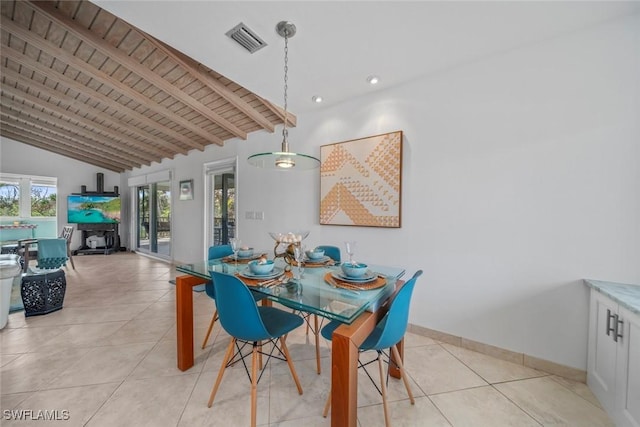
x=521, y=177
x=24, y=159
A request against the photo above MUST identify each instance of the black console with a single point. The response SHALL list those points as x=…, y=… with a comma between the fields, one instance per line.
x=107, y=239
x=99, y=233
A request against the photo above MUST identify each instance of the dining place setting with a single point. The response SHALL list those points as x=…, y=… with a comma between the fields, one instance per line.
x=255, y=268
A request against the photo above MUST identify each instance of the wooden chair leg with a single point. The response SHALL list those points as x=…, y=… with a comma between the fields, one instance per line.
x=254, y=384
x=327, y=406
x=317, y=334
x=70, y=258
x=403, y=373
x=383, y=388
x=227, y=356
x=260, y=355
x=213, y=320
x=285, y=350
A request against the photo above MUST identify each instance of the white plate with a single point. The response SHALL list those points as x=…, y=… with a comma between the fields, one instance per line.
x=277, y=271
x=316, y=261
x=368, y=276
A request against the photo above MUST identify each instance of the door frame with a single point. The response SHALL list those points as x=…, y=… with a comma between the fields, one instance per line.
x=207, y=168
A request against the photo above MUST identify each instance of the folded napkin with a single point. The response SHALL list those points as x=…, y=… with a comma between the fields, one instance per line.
x=52, y=253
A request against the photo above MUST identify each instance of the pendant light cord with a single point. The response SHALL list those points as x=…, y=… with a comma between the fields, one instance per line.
x=285, y=132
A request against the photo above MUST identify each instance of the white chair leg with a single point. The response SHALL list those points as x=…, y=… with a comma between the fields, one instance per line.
x=227, y=356
x=383, y=388
x=213, y=320
x=403, y=373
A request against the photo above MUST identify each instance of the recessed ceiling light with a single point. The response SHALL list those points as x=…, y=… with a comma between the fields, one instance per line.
x=317, y=99
x=373, y=80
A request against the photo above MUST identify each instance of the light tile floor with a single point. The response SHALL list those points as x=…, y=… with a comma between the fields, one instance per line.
x=109, y=359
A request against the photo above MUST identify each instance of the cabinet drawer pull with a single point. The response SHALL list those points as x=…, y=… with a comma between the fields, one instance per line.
x=609, y=329
x=618, y=328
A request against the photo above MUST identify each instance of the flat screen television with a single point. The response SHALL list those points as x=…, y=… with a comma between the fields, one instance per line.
x=93, y=209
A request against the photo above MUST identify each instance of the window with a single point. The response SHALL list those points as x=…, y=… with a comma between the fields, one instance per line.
x=9, y=197
x=28, y=196
x=43, y=198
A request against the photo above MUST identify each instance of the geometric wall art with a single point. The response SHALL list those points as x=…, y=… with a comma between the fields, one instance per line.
x=361, y=181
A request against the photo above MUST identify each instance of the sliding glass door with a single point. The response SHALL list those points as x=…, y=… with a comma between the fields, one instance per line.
x=153, y=222
x=221, y=203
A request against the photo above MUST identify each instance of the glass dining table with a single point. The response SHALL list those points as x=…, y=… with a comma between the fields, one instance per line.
x=317, y=292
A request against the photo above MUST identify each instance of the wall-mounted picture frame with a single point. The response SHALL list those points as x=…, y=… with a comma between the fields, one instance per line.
x=186, y=189
x=361, y=181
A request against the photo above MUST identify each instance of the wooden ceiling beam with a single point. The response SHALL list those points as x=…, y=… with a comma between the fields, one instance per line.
x=68, y=148
x=66, y=115
x=53, y=147
x=80, y=106
x=50, y=73
x=191, y=67
x=104, y=78
x=292, y=120
x=74, y=138
x=51, y=12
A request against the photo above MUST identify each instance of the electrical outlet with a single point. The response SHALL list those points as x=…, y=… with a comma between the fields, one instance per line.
x=259, y=215
x=249, y=215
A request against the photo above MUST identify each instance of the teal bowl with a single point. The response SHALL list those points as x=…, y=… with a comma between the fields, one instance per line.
x=261, y=269
x=315, y=254
x=245, y=252
x=354, y=270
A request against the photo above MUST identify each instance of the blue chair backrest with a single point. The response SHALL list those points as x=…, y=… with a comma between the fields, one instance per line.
x=394, y=323
x=219, y=251
x=52, y=253
x=237, y=309
x=216, y=252
x=332, y=252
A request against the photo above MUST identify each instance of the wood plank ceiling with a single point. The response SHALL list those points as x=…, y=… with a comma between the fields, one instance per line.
x=80, y=82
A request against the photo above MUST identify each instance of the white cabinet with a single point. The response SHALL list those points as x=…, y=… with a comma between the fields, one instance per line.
x=613, y=369
x=628, y=371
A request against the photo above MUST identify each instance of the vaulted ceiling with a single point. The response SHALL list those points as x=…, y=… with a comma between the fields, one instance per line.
x=78, y=81
x=86, y=80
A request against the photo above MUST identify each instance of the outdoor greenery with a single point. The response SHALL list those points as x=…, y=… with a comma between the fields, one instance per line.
x=9, y=200
x=43, y=200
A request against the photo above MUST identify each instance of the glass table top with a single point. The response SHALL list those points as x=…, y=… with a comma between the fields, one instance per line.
x=312, y=293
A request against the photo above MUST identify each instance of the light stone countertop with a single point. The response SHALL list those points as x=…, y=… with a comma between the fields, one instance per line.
x=626, y=295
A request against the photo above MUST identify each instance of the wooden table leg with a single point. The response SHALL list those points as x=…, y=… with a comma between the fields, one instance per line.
x=184, y=319
x=345, y=341
x=344, y=382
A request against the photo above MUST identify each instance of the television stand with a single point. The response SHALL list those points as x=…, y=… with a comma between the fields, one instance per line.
x=107, y=231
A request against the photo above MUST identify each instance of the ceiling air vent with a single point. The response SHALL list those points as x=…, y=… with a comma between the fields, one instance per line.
x=246, y=38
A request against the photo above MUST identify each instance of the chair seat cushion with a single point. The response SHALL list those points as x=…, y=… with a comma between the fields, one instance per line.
x=279, y=322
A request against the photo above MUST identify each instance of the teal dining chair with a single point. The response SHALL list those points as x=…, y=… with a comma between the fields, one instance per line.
x=332, y=252
x=386, y=335
x=249, y=324
x=219, y=252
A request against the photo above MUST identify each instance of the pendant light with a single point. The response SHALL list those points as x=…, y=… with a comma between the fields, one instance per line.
x=285, y=159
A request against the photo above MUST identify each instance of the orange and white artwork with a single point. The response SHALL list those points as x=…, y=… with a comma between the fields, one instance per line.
x=361, y=181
